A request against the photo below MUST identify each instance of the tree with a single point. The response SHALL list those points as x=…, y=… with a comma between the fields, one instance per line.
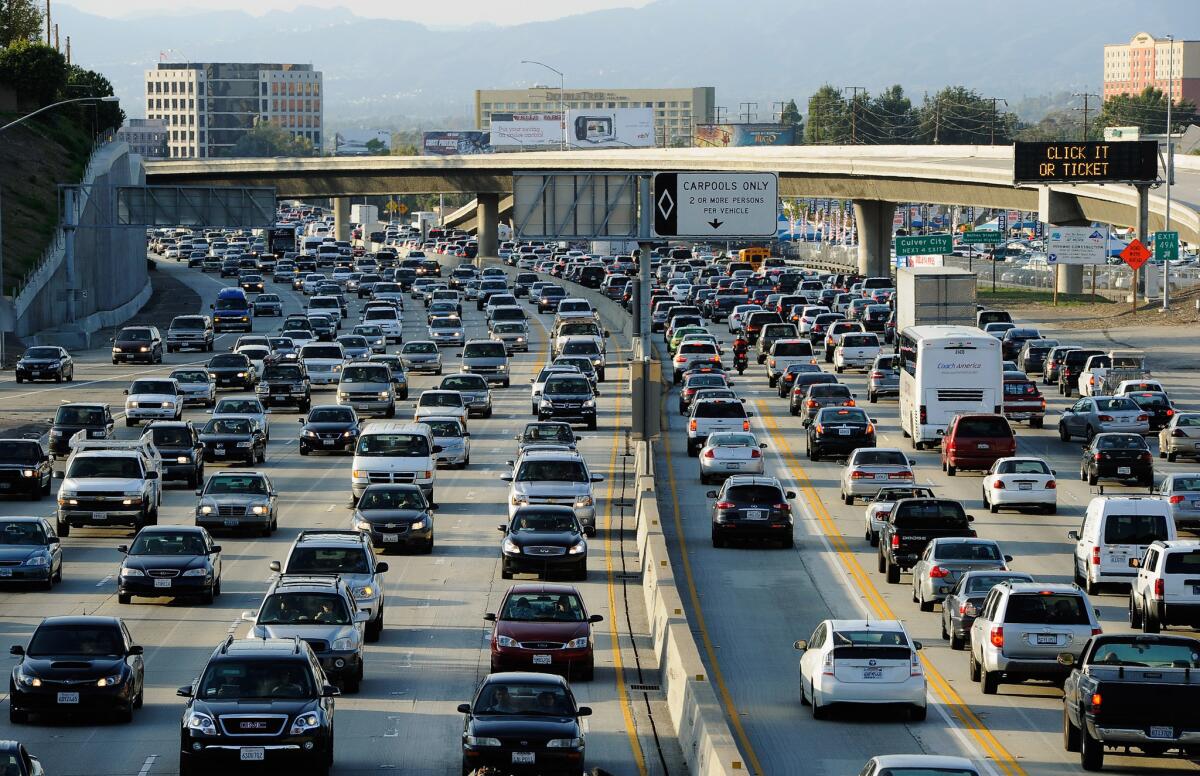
x=1147, y=110
x=958, y=115
x=376, y=147
x=791, y=117
x=895, y=118
x=268, y=139
x=828, y=120
x=89, y=83
x=1064, y=124
x=20, y=22
x=405, y=149
x=37, y=73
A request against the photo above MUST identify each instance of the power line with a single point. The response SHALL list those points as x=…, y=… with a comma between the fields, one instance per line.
x=1085, y=97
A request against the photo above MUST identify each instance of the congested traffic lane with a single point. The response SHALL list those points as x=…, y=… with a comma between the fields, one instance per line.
x=777, y=596
x=434, y=649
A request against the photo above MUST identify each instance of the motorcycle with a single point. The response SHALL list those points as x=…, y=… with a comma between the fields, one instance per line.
x=740, y=362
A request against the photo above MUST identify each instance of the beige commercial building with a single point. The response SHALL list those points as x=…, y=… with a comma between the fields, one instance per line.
x=208, y=107
x=1149, y=61
x=676, y=111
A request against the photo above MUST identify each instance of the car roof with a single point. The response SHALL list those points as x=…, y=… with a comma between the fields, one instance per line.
x=753, y=479
x=536, y=453
x=879, y=625
x=80, y=619
x=543, y=587
x=1039, y=587
x=273, y=648
x=925, y=761
x=308, y=582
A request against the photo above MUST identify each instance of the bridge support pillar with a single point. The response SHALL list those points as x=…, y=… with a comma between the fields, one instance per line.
x=1070, y=279
x=341, y=218
x=487, y=221
x=873, y=219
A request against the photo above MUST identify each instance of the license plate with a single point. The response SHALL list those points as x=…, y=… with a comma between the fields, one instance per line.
x=1025, y=486
x=541, y=660
x=754, y=514
x=219, y=450
x=733, y=465
x=99, y=517
x=524, y=758
x=983, y=446
x=843, y=432
x=254, y=754
x=231, y=522
x=872, y=673
x=68, y=697
x=1161, y=731
x=1047, y=638
x=162, y=583
x=328, y=441
x=35, y=374
x=390, y=538
x=1123, y=470
x=5, y=572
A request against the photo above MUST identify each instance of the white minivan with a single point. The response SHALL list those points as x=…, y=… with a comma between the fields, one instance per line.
x=394, y=452
x=1116, y=529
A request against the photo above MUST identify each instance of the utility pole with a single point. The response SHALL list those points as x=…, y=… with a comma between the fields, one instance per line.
x=777, y=111
x=1166, y=280
x=937, y=118
x=746, y=106
x=854, y=90
x=994, y=116
x=1085, y=109
x=720, y=109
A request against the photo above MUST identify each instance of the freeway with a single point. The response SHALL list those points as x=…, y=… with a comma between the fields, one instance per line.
x=750, y=603
x=434, y=649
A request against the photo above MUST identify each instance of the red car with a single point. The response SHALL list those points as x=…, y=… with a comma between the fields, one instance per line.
x=976, y=441
x=1023, y=400
x=542, y=627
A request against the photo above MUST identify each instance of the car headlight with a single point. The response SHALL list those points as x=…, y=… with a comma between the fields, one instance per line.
x=419, y=525
x=309, y=433
x=343, y=643
x=201, y=723
x=206, y=510
x=366, y=591
x=564, y=743
x=116, y=349
x=29, y=680
x=546, y=404
x=579, y=643
x=583, y=501
x=110, y=681
x=506, y=641
x=37, y=560
x=577, y=549
x=482, y=741
x=363, y=525
x=518, y=499
x=346, y=434
x=384, y=395
x=259, y=509
x=590, y=403
x=183, y=459
x=54, y=432
x=241, y=374
x=511, y=547
x=195, y=573
x=166, y=405
x=502, y=368
x=143, y=349
x=27, y=473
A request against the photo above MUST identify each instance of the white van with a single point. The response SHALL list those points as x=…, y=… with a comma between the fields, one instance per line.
x=1116, y=529
x=394, y=452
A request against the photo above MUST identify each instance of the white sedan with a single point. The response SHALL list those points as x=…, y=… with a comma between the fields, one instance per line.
x=861, y=661
x=919, y=765
x=870, y=468
x=737, y=318
x=730, y=452
x=1020, y=483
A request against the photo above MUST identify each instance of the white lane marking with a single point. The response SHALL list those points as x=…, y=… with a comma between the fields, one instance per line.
x=146, y=766
x=329, y=508
x=104, y=581
x=393, y=727
x=233, y=626
x=405, y=660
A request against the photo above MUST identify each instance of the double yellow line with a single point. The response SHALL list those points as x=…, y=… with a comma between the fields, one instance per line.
x=866, y=585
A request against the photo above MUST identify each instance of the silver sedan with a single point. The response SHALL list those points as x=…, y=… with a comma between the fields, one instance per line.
x=870, y=468
x=1179, y=437
x=1182, y=494
x=1100, y=414
x=945, y=560
x=730, y=452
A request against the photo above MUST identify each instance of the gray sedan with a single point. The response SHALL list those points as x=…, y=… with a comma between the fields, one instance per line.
x=421, y=356
x=945, y=559
x=1179, y=437
x=1182, y=493
x=883, y=379
x=476, y=394
x=1100, y=414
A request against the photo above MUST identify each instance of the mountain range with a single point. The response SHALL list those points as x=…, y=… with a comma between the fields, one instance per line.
x=399, y=74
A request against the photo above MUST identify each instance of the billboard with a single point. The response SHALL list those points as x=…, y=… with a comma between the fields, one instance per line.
x=610, y=128
x=1075, y=245
x=723, y=135
x=353, y=142
x=526, y=130
x=456, y=142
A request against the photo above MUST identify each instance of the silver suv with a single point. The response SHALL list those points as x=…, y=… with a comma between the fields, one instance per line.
x=319, y=610
x=367, y=387
x=487, y=358
x=1022, y=629
x=347, y=554
x=554, y=477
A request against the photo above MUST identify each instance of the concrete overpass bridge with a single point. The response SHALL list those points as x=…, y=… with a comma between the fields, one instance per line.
x=876, y=178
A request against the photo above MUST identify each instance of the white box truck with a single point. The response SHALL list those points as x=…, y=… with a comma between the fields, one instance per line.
x=934, y=295
x=364, y=214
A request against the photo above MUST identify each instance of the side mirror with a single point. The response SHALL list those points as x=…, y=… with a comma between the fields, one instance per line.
x=135, y=649
x=918, y=646
x=490, y=616
x=711, y=494
x=761, y=445
x=249, y=616
x=1008, y=558
x=1054, y=472
x=1135, y=563
x=749, y=414
x=464, y=708
x=381, y=568
x=597, y=478
x=596, y=618
x=185, y=691
x=300, y=421
x=1073, y=535
x=583, y=711
x=123, y=549
x=215, y=549
x=790, y=494
x=329, y=691
x=800, y=645
x=126, y=391
x=16, y=649
x=1066, y=659
x=970, y=518
x=275, y=566
x=506, y=478
x=199, y=492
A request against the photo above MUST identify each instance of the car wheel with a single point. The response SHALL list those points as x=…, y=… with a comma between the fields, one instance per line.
x=717, y=541
x=925, y=606
x=1150, y=621
x=1092, y=478
x=818, y=711
x=1063, y=434
x=375, y=628
x=1135, y=616
x=206, y=598
x=872, y=397
x=956, y=642
x=918, y=713
x=1091, y=751
x=847, y=500
x=1070, y=734
x=893, y=572
x=62, y=528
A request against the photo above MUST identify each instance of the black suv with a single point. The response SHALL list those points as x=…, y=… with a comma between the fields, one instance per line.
x=260, y=701
x=751, y=507
x=178, y=443
x=94, y=418
x=24, y=468
x=569, y=397
x=285, y=383
x=138, y=343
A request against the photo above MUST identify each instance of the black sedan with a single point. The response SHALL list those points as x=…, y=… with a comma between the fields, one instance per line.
x=45, y=362
x=232, y=370
x=77, y=665
x=1156, y=405
x=175, y=561
x=751, y=507
x=395, y=517
x=523, y=723
x=1117, y=456
x=233, y=439
x=329, y=428
x=964, y=602
x=839, y=431
x=543, y=540
x=797, y=394
x=29, y=552
x=181, y=451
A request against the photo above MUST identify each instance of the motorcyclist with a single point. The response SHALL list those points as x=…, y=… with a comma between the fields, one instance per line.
x=741, y=345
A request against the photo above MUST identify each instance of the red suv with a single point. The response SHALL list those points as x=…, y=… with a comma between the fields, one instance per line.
x=543, y=627
x=976, y=441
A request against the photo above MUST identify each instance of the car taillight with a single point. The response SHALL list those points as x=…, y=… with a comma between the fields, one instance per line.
x=998, y=485
x=877, y=375
x=1106, y=418
x=924, y=415
x=848, y=403
x=709, y=454
x=1097, y=631
x=755, y=454
x=997, y=636
x=1147, y=457
x=937, y=572
x=1095, y=556
x=1175, y=499
x=745, y=425
x=1051, y=485
x=1159, y=588
x=1043, y=404
x=914, y=665
x=870, y=429
x=1143, y=417
x=1170, y=413
x=692, y=425
x=810, y=403
x=829, y=340
x=819, y=429
x=725, y=505
x=1098, y=456
x=858, y=475
x=772, y=362
x=895, y=542
x=901, y=475
x=827, y=669
x=784, y=507
x=1095, y=701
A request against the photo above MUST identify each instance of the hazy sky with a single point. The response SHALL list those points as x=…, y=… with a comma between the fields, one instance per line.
x=459, y=13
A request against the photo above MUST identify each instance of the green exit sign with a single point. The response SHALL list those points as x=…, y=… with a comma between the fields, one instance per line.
x=984, y=236
x=925, y=245
x=1166, y=246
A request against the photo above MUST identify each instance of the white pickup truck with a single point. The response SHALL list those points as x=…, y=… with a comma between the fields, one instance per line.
x=1103, y=373
x=110, y=482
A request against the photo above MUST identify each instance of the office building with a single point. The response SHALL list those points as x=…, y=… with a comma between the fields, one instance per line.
x=676, y=111
x=1149, y=61
x=208, y=107
x=147, y=137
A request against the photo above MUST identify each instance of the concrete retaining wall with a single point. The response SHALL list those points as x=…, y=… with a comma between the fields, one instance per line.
x=110, y=262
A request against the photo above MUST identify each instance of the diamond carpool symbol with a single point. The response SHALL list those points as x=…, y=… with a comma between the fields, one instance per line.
x=666, y=204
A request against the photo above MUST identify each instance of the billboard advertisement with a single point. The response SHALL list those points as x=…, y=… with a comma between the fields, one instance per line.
x=354, y=142
x=611, y=128
x=528, y=130
x=456, y=142
x=742, y=135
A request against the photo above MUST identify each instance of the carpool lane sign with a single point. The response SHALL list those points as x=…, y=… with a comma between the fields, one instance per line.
x=716, y=205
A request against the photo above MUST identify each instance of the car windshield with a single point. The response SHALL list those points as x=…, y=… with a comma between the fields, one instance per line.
x=543, y=607
x=552, y=432
x=268, y=679
x=168, y=543
x=79, y=416
x=516, y=699
x=1178, y=483
x=328, y=560
x=1134, y=529
x=979, y=551
x=929, y=514
x=321, y=351
x=842, y=415
x=237, y=426
x=859, y=341
x=552, y=471
x=304, y=609
x=983, y=427
x=464, y=383
x=1147, y=654
x=700, y=381
x=1019, y=388
x=283, y=372
x=368, y=331
x=190, y=376
x=582, y=363
x=84, y=640
x=441, y=399
x=1120, y=442
x=1115, y=404
x=364, y=374
x=230, y=304
x=732, y=440
x=1023, y=467
x=753, y=494
x=484, y=350
x=391, y=498
x=152, y=386
x=331, y=415
x=982, y=583
x=236, y=483
x=419, y=347
x=20, y=451
x=1046, y=608
x=536, y=520
x=119, y=467
x=22, y=532
x=589, y=348
x=880, y=458
x=445, y=323
x=401, y=445
x=445, y=428
x=229, y=360
x=1151, y=400
x=171, y=436
x=134, y=335
x=509, y=328
x=43, y=353
x=793, y=349
x=568, y=385
x=238, y=407
x=353, y=341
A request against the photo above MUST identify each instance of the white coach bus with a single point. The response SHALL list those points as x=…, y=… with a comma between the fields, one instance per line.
x=945, y=371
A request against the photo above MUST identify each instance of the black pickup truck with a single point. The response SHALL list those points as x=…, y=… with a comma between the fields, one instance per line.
x=913, y=524
x=1138, y=693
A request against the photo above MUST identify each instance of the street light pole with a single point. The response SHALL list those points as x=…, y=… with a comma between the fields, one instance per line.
x=562, y=104
x=1170, y=169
